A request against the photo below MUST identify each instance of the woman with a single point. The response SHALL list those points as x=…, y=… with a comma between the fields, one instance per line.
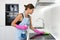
x=26, y=22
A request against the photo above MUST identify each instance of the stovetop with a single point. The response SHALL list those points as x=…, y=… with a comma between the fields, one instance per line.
x=34, y=36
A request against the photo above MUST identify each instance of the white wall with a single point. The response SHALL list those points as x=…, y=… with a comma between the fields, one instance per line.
x=37, y=16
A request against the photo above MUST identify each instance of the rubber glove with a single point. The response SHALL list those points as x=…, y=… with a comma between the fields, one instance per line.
x=24, y=27
x=38, y=32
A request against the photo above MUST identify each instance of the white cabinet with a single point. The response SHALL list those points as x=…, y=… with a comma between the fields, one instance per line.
x=52, y=20
x=46, y=0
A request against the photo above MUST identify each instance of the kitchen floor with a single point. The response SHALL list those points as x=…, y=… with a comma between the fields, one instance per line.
x=41, y=37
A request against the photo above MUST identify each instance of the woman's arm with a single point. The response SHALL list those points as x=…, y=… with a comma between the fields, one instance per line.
x=31, y=24
x=19, y=16
x=35, y=30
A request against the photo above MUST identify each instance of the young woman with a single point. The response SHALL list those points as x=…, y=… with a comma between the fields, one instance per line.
x=25, y=23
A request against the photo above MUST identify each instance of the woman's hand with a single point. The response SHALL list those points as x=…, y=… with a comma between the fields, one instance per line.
x=38, y=31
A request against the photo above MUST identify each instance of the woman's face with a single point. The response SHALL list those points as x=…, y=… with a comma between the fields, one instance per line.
x=30, y=11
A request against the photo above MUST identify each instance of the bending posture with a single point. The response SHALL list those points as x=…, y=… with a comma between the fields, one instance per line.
x=25, y=23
